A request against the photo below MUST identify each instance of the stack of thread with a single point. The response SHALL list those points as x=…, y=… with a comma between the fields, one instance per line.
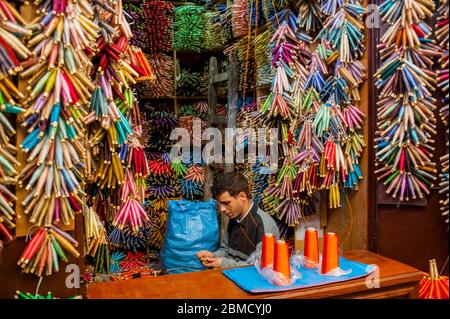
x=162, y=181
x=159, y=25
x=189, y=28
x=162, y=85
x=137, y=20
x=213, y=31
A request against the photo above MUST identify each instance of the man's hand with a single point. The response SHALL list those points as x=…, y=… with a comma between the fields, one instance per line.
x=213, y=262
x=203, y=254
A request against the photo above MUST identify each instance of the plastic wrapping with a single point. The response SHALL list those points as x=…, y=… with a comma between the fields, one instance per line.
x=273, y=276
x=191, y=227
x=302, y=261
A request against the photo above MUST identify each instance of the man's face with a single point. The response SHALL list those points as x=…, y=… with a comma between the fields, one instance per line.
x=231, y=206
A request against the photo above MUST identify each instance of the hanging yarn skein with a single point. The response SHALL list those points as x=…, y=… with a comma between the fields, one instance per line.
x=337, y=123
x=290, y=58
x=441, y=32
x=12, y=51
x=117, y=160
x=59, y=89
x=405, y=108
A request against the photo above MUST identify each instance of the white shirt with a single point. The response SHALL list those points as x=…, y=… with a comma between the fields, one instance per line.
x=246, y=213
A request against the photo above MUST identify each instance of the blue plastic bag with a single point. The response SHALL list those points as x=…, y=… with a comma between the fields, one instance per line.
x=191, y=227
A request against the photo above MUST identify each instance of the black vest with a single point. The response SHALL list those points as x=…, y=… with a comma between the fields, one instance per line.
x=246, y=235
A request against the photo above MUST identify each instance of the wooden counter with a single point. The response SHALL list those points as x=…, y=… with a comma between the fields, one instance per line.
x=397, y=280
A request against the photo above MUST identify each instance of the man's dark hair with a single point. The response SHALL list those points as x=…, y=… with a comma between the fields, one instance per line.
x=233, y=183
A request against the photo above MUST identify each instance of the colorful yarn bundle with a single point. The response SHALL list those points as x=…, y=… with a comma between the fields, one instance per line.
x=261, y=44
x=313, y=103
x=45, y=249
x=444, y=187
x=225, y=20
x=131, y=211
x=118, y=166
x=406, y=121
x=97, y=240
x=127, y=239
x=278, y=103
x=189, y=28
x=342, y=31
x=162, y=189
x=196, y=173
x=7, y=214
x=158, y=216
x=13, y=30
x=310, y=15
x=162, y=84
x=116, y=257
x=159, y=25
x=190, y=83
x=191, y=190
x=441, y=32
x=239, y=18
x=7, y=217
x=279, y=108
x=58, y=90
x=162, y=182
x=140, y=63
x=178, y=167
x=133, y=260
x=163, y=122
x=213, y=31
x=195, y=126
x=244, y=50
x=29, y=295
x=8, y=168
x=259, y=12
x=136, y=18
x=329, y=7
x=433, y=285
x=189, y=109
x=338, y=122
x=159, y=145
x=257, y=181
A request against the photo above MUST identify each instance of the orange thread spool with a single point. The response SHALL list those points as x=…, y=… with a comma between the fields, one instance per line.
x=311, y=247
x=268, y=250
x=281, y=259
x=330, y=256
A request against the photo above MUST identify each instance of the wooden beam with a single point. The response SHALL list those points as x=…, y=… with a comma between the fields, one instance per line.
x=351, y=221
x=233, y=88
x=219, y=77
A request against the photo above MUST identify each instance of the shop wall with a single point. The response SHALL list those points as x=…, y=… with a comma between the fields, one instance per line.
x=411, y=233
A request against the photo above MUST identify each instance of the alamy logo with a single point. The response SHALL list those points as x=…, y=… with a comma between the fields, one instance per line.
x=73, y=279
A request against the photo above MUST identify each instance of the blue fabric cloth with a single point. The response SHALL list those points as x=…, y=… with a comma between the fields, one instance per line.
x=191, y=227
x=250, y=280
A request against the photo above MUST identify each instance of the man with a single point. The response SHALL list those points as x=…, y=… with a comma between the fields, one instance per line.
x=246, y=226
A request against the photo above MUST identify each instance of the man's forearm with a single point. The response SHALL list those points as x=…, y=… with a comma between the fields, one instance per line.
x=221, y=252
x=229, y=263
